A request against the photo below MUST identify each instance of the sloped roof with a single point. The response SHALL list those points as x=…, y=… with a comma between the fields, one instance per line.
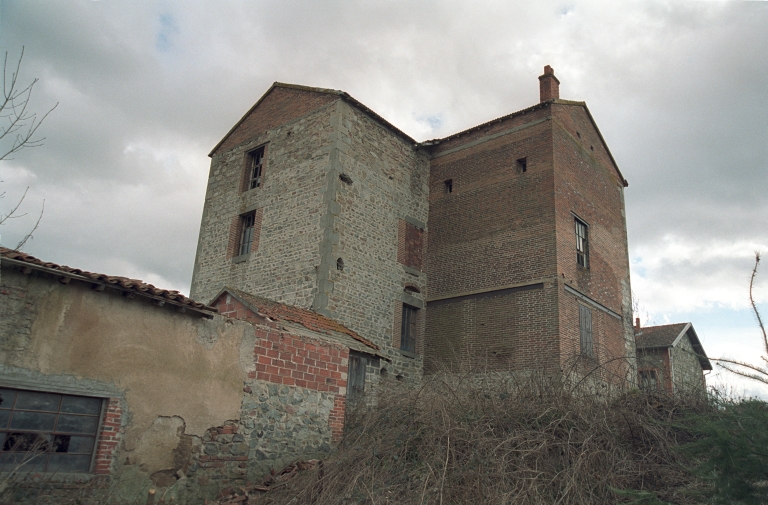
x=26, y=261
x=341, y=94
x=282, y=312
x=669, y=335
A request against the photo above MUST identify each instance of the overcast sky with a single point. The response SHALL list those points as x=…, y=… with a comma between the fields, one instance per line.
x=146, y=89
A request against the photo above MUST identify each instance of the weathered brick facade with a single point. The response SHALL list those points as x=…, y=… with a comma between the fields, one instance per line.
x=474, y=232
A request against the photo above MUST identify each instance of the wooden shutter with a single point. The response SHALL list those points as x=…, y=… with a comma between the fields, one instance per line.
x=585, y=331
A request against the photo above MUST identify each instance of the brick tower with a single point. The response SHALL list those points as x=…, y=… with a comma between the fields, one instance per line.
x=528, y=259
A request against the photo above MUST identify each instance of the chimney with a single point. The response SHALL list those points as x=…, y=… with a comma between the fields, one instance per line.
x=549, y=86
x=637, y=323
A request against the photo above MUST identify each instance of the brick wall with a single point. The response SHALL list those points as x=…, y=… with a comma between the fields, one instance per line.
x=410, y=245
x=280, y=106
x=588, y=186
x=109, y=437
x=497, y=226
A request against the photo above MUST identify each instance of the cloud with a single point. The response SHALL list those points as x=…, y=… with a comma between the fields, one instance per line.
x=146, y=89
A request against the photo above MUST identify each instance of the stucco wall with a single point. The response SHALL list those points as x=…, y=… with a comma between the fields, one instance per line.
x=176, y=382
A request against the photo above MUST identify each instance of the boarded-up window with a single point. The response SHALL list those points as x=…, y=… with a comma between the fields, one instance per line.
x=585, y=331
x=408, y=329
x=47, y=432
x=410, y=245
x=356, y=375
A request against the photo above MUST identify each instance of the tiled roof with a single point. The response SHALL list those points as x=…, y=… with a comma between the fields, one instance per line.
x=665, y=335
x=121, y=283
x=307, y=318
x=658, y=336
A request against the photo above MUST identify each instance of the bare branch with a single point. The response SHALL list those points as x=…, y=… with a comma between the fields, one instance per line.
x=29, y=235
x=754, y=305
x=16, y=122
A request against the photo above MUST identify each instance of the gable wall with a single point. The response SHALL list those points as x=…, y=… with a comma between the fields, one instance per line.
x=280, y=106
x=586, y=184
x=686, y=368
x=290, y=203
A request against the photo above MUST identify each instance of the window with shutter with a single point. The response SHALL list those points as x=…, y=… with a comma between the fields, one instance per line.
x=585, y=331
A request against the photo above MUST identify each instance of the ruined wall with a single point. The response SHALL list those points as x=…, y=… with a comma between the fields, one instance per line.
x=296, y=132
x=588, y=186
x=174, y=383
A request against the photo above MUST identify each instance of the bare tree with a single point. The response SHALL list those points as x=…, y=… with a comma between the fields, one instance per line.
x=18, y=126
x=758, y=373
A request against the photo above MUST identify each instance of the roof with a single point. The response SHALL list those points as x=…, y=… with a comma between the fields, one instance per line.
x=341, y=94
x=305, y=317
x=27, y=263
x=669, y=335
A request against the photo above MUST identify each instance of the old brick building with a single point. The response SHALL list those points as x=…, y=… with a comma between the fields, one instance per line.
x=501, y=246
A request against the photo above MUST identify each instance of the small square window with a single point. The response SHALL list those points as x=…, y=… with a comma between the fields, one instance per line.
x=585, y=331
x=255, y=167
x=47, y=432
x=246, y=233
x=522, y=164
x=582, y=243
x=408, y=329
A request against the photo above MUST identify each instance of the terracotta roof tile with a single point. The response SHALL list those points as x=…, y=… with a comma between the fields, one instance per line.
x=124, y=283
x=307, y=318
x=658, y=336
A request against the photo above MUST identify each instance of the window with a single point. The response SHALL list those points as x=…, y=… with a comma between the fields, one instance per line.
x=255, y=166
x=522, y=164
x=648, y=382
x=408, y=329
x=585, y=331
x=47, y=432
x=582, y=244
x=448, y=185
x=246, y=233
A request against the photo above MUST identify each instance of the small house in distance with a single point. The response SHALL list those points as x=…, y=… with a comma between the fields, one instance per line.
x=670, y=357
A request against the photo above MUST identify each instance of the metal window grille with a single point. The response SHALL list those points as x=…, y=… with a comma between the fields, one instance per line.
x=47, y=432
x=408, y=329
x=582, y=244
x=255, y=165
x=246, y=235
x=585, y=331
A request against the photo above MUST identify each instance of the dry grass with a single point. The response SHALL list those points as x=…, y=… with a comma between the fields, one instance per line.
x=502, y=439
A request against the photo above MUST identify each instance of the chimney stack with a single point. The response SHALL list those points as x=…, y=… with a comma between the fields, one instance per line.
x=549, y=86
x=637, y=323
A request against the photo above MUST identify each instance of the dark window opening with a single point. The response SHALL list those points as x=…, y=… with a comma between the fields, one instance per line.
x=585, y=331
x=522, y=164
x=47, y=432
x=408, y=329
x=591, y=148
x=255, y=167
x=340, y=265
x=578, y=134
x=448, y=186
x=345, y=178
x=246, y=233
x=410, y=288
x=582, y=243
x=648, y=380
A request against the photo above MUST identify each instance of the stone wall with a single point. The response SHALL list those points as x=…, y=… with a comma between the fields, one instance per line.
x=289, y=202
x=193, y=404
x=687, y=374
